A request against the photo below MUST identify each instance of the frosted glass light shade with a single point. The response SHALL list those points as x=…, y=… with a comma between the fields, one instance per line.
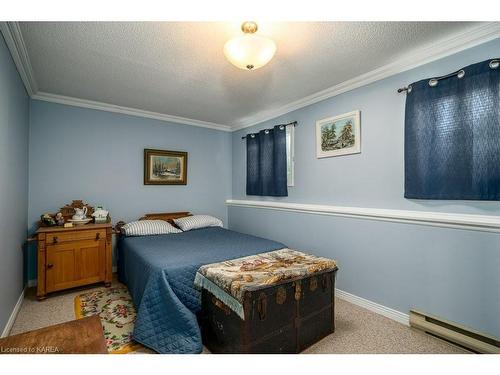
x=249, y=51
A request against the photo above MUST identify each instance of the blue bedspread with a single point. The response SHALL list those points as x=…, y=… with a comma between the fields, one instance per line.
x=159, y=272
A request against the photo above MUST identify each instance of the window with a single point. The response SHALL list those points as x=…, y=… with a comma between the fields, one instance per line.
x=290, y=162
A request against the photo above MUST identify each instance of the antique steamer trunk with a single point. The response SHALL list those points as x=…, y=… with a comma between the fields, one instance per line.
x=282, y=318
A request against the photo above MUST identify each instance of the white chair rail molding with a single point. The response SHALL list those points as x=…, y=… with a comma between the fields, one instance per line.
x=485, y=223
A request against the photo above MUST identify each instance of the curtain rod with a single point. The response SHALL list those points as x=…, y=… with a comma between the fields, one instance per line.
x=294, y=123
x=433, y=82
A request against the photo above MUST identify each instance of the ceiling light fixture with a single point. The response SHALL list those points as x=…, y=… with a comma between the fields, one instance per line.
x=249, y=51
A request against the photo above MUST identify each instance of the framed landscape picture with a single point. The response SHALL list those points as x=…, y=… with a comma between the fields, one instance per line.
x=165, y=167
x=339, y=135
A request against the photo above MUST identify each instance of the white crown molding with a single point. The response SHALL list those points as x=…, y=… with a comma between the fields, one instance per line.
x=61, y=99
x=13, y=315
x=13, y=37
x=483, y=223
x=445, y=47
x=375, y=307
x=14, y=40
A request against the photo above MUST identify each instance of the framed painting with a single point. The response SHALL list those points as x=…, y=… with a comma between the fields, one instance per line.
x=163, y=167
x=339, y=135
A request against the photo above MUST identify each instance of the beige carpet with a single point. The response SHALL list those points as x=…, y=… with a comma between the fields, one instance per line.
x=357, y=330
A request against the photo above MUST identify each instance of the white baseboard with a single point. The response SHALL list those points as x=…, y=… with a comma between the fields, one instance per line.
x=13, y=315
x=367, y=304
x=375, y=307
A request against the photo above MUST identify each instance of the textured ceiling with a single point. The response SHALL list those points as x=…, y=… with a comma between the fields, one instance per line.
x=178, y=68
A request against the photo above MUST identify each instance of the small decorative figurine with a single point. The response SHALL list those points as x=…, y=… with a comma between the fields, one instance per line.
x=59, y=219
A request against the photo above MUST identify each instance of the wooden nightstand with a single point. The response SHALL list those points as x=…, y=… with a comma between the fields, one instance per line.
x=71, y=257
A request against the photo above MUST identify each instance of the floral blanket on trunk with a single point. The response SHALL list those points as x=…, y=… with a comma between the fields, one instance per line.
x=229, y=280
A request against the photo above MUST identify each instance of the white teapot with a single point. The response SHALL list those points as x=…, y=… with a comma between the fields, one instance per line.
x=100, y=214
x=80, y=213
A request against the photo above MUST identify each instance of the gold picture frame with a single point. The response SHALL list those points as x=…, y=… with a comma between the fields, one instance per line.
x=163, y=167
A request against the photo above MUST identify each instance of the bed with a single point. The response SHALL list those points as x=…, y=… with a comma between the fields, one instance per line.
x=159, y=272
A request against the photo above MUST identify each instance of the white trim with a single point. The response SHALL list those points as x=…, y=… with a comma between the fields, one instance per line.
x=484, y=223
x=76, y=102
x=14, y=40
x=367, y=304
x=375, y=307
x=13, y=315
x=445, y=47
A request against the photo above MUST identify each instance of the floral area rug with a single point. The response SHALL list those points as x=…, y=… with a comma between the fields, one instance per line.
x=116, y=310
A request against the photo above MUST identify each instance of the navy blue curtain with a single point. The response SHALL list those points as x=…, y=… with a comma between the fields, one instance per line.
x=452, y=136
x=266, y=163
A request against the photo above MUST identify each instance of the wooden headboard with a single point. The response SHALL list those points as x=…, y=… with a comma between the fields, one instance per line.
x=167, y=216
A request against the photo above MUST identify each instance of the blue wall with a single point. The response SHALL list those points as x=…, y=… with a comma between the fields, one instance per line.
x=97, y=156
x=446, y=272
x=14, y=122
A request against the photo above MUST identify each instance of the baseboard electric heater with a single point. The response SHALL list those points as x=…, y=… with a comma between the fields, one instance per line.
x=455, y=333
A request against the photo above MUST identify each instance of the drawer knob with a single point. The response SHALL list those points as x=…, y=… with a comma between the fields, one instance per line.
x=50, y=265
x=55, y=239
x=97, y=236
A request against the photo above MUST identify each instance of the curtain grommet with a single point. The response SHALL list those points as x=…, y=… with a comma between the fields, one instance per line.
x=461, y=74
x=433, y=82
x=282, y=127
x=252, y=135
x=494, y=64
x=408, y=89
x=266, y=131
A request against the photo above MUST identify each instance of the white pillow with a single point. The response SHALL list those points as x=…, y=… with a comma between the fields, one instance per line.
x=149, y=227
x=197, y=222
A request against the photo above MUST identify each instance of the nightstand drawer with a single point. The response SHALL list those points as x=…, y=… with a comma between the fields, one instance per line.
x=56, y=237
